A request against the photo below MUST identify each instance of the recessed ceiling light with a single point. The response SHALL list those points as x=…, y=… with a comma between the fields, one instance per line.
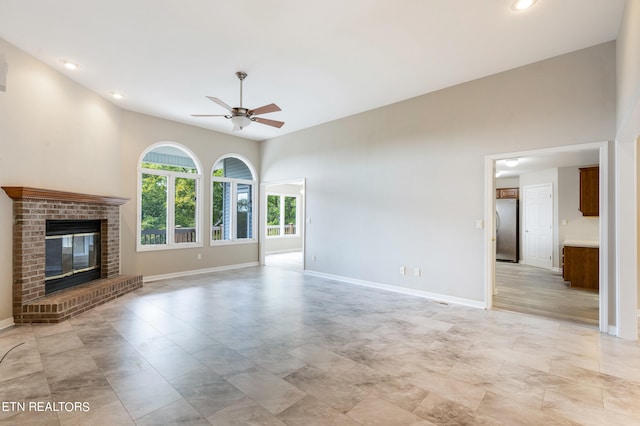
x=117, y=95
x=519, y=5
x=70, y=65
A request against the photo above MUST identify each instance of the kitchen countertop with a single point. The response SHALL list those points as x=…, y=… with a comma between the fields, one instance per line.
x=581, y=243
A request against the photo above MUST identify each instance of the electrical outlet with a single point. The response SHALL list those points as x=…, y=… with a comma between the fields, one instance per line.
x=314, y=258
x=403, y=270
x=416, y=272
x=199, y=256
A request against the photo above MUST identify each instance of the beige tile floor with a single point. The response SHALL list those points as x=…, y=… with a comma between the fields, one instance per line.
x=292, y=260
x=269, y=346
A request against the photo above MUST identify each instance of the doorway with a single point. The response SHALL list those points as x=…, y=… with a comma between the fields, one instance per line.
x=538, y=163
x=282, y=224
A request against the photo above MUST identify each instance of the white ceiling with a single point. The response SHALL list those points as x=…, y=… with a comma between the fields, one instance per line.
x=318, y=60
x=547, y=160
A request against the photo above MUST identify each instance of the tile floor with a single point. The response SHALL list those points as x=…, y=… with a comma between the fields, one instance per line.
x=293, y=260
x=269, y=346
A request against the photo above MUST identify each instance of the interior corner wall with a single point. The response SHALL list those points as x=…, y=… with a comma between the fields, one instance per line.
x=625, y=154
x=513, y=182
x=55, y=134
x=577, y=227
x=139, y=131
x=403, y=185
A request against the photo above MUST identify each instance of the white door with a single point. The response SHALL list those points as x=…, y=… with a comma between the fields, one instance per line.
x=538, y=225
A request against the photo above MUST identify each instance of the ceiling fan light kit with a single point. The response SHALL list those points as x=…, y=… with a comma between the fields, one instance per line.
x=242, y=117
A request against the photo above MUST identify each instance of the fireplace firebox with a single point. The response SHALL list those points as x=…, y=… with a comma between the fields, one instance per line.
x=61, y=235
x=72, y=253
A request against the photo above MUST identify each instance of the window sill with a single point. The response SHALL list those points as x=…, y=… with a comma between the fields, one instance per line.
x=160, y=247
x=214, y=243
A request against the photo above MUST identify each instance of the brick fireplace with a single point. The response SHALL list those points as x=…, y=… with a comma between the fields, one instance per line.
x=32, y=208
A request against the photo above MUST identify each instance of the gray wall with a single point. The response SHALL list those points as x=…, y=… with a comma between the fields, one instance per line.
x=578, y=227
x=403, y=185
x=139, y=131
x=54, y=134
x=627, y=138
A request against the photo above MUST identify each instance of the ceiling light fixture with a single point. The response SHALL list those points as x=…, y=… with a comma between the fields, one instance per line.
x=519, y=5
x=511, y=162
x=70, y=65
x=117, y=95
x=240, y=121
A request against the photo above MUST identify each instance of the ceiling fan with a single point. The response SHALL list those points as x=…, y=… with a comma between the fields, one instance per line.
x=241, y=117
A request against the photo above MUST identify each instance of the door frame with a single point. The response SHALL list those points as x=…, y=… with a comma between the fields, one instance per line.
x=263, y=216
x=490, y=228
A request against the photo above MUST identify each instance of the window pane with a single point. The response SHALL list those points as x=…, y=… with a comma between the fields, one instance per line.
x=232, y=168
x=169, y=158
x=273, y=215
x=185, y=210
x=153, y=214
x=221, y=214
x=244, y=212
x=290, y=215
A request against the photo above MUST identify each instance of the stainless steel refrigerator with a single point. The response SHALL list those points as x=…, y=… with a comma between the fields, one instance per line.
x=507, y=232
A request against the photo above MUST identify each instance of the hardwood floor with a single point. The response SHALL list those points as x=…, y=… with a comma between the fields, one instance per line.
x=539, y=291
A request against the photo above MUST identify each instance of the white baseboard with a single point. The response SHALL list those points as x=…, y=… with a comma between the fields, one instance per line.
x=6, y=323
x=283, y=251
x=613, y=330
x=151, y=278
x=403, y=290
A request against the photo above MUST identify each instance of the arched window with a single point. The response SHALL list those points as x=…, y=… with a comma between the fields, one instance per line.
x=169, y=186
x=233, y=186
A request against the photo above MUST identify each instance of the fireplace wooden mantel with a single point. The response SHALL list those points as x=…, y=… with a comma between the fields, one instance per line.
x=23, y=192
x=32, y=208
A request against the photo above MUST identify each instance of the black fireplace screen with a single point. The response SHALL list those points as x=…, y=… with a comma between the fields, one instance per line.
x=72, y=253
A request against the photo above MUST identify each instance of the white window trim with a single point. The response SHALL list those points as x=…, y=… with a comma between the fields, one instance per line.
x=170, y=237
x=234, y=203
x=282, y=224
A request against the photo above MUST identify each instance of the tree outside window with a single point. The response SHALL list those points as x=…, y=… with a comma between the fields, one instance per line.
x=169, y=185
x=282, y=215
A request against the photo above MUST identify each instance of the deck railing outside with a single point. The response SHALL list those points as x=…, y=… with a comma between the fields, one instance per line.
x=159, y=236
x=274, y=230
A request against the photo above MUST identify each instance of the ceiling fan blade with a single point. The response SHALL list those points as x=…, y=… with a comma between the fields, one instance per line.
x=265, y=109
x=208, y=115
x=219, y=102
x=268, y=122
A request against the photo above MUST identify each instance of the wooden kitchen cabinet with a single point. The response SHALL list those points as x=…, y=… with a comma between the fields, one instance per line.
x=590, y=191
x=581, y=267
x=507, y=193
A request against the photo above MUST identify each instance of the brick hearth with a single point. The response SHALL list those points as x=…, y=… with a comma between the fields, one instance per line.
x=31, y=209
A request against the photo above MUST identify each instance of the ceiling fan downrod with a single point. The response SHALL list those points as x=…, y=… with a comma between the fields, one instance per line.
x=241, y=76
